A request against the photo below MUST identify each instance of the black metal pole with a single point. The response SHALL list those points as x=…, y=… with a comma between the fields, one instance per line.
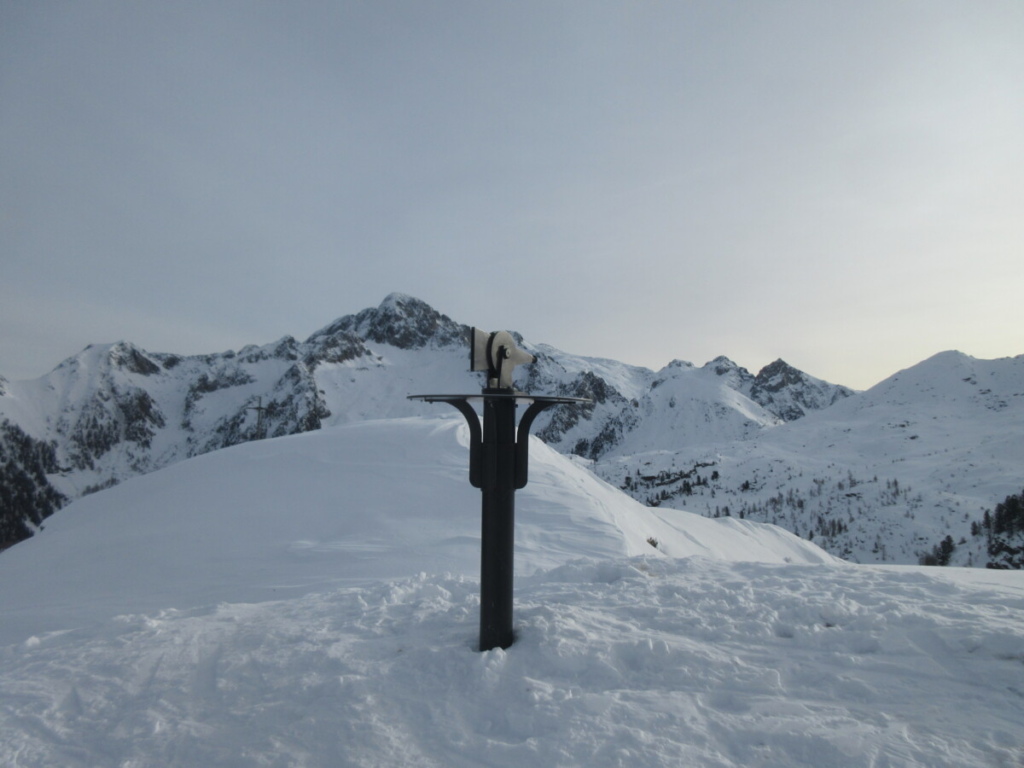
x=498, y=466
x=498, y=487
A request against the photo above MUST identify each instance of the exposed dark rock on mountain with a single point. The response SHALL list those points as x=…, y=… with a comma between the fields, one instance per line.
x=399, y=321
x=790, y=393
x=26, y=495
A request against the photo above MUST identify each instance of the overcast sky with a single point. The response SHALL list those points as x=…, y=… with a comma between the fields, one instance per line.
x=840, y=184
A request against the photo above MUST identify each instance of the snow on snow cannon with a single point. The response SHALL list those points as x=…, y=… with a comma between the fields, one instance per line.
x=498, y=459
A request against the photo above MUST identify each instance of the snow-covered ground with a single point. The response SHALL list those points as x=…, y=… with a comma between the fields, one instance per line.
x=312, y=601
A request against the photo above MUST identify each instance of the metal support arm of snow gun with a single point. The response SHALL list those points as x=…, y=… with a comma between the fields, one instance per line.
x=498, y=466
x=484, y=460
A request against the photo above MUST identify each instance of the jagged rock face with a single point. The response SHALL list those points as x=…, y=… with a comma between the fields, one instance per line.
x=116, y=411
x=644, y=410
x=110, y=418
x=777, y=376
x=250, y=396
x=129, y=358
x=603, y=417
x=338, y=346
x=790, y=393
x=112, y=410
x=400, y=321
x=736, y=376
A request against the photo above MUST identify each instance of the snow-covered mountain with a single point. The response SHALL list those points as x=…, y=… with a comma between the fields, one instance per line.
x=927, y=451
x=312, y=601
x=115, y=411
x=882, y=476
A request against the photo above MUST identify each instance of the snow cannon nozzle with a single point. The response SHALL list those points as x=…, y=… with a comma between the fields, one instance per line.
x=497, y=354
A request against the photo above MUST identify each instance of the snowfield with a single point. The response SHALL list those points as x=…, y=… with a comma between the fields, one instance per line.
x=313, y=601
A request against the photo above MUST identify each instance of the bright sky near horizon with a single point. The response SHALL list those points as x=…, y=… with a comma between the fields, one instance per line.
x=837, y=184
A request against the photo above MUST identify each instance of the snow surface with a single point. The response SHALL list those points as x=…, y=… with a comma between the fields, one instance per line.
x=371, y=500
x=313, y=601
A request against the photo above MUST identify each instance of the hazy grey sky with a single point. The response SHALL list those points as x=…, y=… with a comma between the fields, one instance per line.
x=840, y=184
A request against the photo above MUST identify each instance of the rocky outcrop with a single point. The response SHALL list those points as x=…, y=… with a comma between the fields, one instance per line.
x=400, y=321
x=790, y=393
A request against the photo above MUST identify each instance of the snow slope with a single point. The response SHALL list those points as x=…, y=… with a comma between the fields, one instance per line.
x=312, y=601
x=283, y=517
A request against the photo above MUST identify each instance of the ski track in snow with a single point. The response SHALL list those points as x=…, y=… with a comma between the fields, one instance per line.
x=635, y=661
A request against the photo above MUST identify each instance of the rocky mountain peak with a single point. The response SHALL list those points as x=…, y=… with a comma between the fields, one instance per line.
x=679, y=364
x=721, y=365
x=401, y=321
x=777, y=375
x=127, y=357
x=736, y=376
x=790, y=393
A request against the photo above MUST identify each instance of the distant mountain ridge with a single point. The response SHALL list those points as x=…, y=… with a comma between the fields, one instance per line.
x=884, y=476
x=115, y=411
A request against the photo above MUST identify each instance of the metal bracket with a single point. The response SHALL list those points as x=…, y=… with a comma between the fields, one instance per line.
x=538, y=403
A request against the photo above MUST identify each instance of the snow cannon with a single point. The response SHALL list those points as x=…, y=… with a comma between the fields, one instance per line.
x=498, y=459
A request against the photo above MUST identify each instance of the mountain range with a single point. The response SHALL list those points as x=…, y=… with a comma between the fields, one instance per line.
x=876, y=476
